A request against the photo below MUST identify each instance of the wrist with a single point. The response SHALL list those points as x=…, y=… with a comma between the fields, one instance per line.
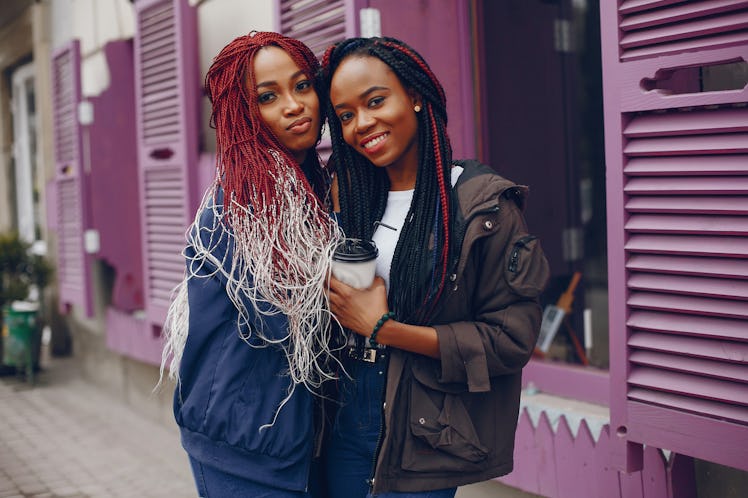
x=378, y=326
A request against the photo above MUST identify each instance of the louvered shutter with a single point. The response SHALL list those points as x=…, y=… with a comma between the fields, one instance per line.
x=72, y=216
x=166, y=82
x=318, y=23
x=677, y=168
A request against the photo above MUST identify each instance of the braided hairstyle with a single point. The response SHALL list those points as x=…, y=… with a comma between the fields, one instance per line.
x=424, y=246
x=272, y=213
x=243, y=141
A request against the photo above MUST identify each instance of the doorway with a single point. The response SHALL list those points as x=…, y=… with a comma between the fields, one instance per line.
x=24, y=153
x=540, y=104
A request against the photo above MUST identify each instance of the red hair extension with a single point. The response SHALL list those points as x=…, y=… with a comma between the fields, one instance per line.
x=245, y=165
x=280, y=235
x=426, y=69
x=443, y=193
x=326, y=57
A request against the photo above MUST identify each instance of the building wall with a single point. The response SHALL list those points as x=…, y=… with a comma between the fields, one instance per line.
x=15, y=46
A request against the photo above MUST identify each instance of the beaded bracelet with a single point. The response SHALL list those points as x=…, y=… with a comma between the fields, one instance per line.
x=373, y=337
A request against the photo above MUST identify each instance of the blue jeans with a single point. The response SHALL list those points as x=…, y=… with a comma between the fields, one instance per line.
x=213, y=483
x=356, y=433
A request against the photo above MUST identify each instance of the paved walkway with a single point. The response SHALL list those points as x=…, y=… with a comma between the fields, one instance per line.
x=65, y=437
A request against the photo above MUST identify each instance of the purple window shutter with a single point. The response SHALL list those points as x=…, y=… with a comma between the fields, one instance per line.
x=72, y=217
x=166, y=90
x=677, y=168
x=319, y=24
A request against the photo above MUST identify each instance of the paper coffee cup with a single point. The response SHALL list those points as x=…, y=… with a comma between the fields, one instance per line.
x=354, y=262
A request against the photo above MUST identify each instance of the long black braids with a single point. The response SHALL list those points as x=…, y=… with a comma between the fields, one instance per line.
x=423, y=252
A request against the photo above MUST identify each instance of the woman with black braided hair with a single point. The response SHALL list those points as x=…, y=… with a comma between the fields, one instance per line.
x=439, y=340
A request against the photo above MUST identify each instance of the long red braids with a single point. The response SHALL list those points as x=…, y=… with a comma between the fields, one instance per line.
x=243, y=140
x=261, y=202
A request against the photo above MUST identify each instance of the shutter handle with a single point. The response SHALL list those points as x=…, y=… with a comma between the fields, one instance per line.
x=162, y=153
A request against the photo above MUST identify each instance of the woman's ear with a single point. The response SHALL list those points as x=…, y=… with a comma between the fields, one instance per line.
x=415, y=100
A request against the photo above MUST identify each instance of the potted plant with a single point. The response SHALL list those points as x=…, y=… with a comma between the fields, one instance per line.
x=20, y=271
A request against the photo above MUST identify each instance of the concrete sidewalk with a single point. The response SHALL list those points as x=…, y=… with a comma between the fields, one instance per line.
x=67, y=437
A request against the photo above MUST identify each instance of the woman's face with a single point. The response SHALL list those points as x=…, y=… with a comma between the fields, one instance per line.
x=376, y=112
x=287, y=100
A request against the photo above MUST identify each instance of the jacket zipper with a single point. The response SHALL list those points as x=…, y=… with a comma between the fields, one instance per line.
x=520, y=244
x=381, y=424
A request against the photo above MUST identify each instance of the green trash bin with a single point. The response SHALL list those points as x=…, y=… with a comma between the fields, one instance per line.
x=19, y=334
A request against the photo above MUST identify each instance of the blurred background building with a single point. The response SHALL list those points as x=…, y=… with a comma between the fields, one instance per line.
x=628, y=121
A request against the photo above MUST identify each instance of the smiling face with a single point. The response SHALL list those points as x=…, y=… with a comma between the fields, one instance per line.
x=377, y=116
x=287, y=100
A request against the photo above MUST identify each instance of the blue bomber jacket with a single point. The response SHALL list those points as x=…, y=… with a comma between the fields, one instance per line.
x=227, y=402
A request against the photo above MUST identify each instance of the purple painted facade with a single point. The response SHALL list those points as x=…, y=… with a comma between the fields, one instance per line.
x=115, y=206
x=131, y=335
x=320, y=23
x=570, y=381
x=115, y=213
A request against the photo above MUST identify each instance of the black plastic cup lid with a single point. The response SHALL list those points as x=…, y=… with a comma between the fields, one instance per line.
x=355, y=251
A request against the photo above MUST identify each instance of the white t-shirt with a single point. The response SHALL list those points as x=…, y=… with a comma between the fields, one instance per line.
x=398, y=204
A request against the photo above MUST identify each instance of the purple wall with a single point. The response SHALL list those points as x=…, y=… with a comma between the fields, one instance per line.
x=568, y=380
x=422, y=25
x=553, y=460
x=114, y=178
x=131, y=335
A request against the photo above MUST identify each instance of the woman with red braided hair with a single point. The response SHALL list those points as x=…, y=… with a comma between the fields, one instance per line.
x=441, y=337
x=248, y=332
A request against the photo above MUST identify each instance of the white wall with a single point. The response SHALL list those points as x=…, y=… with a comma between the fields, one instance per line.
x=219, y=22
x=94, y=23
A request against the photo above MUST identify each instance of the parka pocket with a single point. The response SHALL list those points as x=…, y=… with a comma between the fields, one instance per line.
x=525, y=266
x=442, y=437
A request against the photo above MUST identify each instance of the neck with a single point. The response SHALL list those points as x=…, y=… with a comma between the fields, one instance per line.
x=401, y=180
x=300, y=157
x=403, y=172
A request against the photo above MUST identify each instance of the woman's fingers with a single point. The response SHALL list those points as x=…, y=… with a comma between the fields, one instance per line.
x=357, y=309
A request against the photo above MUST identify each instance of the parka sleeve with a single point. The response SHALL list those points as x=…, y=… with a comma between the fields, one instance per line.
x=510, y=273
